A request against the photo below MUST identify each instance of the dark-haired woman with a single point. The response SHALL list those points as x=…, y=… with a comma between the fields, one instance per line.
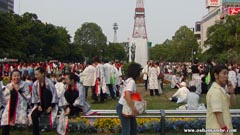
x=16, y=96
x=129, y=124
x=44, y=99
x=219, y=97
x=71, y=102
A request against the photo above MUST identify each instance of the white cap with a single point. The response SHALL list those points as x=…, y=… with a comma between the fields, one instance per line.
x=183, y=84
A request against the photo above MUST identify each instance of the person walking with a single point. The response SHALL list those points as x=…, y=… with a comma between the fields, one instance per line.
x=100, y=80
x=153, y=80
x=145, y=75
x=129, y=124
x=89, y=75
x=108, y=73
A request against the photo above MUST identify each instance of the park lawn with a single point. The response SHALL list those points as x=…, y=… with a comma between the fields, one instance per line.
x=153, y=102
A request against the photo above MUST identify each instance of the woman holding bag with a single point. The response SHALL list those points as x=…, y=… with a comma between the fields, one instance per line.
x=129, y=124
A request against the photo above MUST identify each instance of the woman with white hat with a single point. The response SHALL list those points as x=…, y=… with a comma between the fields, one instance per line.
x=181, y=95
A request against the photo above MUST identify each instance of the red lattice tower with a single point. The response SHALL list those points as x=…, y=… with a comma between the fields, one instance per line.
x=139, y=30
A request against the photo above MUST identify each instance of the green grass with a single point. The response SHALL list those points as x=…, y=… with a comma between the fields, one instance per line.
x=155, y=102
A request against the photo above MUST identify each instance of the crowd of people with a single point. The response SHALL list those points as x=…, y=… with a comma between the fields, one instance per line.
x=46, y=88
x=185, y=77
x=106, y=75
x=55, y=89
x=221, y=83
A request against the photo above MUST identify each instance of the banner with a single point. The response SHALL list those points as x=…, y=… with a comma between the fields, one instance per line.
x=212, y=3
x=233, y=10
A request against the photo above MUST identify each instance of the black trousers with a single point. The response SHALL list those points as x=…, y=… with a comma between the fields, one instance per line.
x=6, y=130
x=112, y=93
x=35, y=121
x=94, y=95
x=103, y=96
x=146, y=84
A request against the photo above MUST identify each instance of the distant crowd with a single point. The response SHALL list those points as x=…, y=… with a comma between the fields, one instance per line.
x=190, y=79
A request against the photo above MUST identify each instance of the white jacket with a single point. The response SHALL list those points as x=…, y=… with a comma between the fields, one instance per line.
x=89, y=76
x=145, y=72
x=182, y=94
x=108, y=72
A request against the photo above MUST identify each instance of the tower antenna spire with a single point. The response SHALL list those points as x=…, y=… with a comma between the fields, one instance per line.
x=115, y=28
x=138, y=44
x=139, y=30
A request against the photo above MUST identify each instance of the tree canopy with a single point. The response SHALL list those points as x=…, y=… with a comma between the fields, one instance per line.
x=224, y=40
x=27, y=38
x=91, y=39
x=179, y=49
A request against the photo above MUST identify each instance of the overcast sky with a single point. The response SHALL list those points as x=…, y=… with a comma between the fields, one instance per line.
x=163, y=17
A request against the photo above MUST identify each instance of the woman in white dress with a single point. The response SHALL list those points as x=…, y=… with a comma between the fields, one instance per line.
x=153, y=80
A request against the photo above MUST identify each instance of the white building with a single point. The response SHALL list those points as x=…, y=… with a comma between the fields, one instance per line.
x=217, y=10
x=213, y=16
x=207, y=21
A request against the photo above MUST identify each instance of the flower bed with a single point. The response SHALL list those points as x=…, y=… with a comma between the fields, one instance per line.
x=145, y=125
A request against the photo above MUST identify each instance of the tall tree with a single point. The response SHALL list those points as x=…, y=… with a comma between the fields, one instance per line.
x=184, y=43
x=180, y=48
x=115, y=51
x=27, y=38
x=224, y=40
x=9, y=36
x=91, y=39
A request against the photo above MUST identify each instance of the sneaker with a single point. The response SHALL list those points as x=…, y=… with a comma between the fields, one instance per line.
x=170, y=99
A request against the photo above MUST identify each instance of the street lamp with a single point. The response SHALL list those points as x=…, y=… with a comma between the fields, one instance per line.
x=193, y=53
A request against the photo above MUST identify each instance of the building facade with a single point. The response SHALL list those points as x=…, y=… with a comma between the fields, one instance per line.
x=7, y=6
x=217, y=10
x=197, y=32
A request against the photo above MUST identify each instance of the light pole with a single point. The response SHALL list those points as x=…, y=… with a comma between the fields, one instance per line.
x=193, y=53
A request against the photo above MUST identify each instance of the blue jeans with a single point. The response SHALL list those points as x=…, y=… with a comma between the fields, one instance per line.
x=129, y=124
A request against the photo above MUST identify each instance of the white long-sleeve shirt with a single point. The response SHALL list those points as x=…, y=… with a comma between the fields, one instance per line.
x=192, y=101
x=181, y=94
x=232, y=76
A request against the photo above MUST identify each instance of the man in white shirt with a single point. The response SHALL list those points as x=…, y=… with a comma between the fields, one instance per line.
x=192, y=99
x=60, y=86
x=100, y=83
x=108, y=73
x=145, y=75
x=181, y=95
x=232, y=75
x=175, y=81
x=89, y=75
